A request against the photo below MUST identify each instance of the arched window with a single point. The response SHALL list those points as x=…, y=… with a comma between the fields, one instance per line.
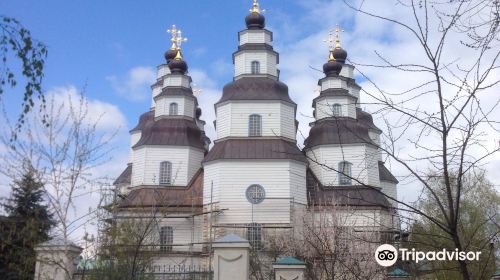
x=254, y=235
x=166, y=239
x=337, y=110
x=255, y=125
x=173, y=109
x=165, y=173
x=345, y=173
x=255, y=67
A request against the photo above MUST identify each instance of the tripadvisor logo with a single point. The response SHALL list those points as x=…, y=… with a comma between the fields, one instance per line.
x=387, y=255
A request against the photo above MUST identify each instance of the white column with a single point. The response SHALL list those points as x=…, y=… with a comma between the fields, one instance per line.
x=231, y=258
x=55, y=261
x=289, y=269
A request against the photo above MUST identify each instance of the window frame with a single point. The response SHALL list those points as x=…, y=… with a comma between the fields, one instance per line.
x=254, y=127
x=337, y=110
x=173, y=107
x=259, y=190
x=166, y=238
x=167, y=176
x=255, y=67
x=344, y=177
x=254, y=236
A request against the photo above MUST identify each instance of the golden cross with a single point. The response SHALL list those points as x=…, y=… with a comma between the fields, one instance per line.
x=173, y=33
x=255, y=8
x=330, y=40
x=180, y=39
x=337, y=36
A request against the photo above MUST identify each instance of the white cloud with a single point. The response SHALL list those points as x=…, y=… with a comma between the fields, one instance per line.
x=135, y=85
x=364, y=35
x=109, y=119
x=208, y=96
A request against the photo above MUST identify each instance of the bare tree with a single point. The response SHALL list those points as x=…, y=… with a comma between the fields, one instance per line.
x=444, y=117
x=65, y=155
x=336, y=242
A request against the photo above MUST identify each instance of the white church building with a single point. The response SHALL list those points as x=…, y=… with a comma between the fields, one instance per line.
x=252, y=179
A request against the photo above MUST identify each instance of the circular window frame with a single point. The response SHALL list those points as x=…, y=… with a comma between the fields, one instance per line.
x=252, y=199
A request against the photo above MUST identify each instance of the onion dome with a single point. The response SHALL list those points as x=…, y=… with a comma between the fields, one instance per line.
x=170, y=54
x=198, y=113
x=255, y=20
x=178, y=65
x=340, y=54
x=332, y=67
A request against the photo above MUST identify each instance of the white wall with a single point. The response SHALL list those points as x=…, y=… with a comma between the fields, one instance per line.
x=333, y=82
x=185, y=232
x=185, y=106
x=146, y=164
x=135, y=136
x=391, y=190
x=281, y=180
x=176, y=81
x=364, y=163
x=324, y=106
x=278, y=119
x=255, y=37
x=347, y=71
x=163, y=70
x=243, y=62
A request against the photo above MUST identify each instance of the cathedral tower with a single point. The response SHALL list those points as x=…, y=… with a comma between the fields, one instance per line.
x=255, y=174
x=343, y=143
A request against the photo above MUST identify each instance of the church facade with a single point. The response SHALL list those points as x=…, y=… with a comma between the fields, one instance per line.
x=253, y=180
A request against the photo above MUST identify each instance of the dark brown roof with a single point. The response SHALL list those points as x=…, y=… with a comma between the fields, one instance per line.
x=337, y=130
x=349, y=81
x=333, y=92
x=176, y=91
x=124, y=178
x=144, y=120
x=191, y=195
x=366, y=119
x=256, y=47
x=385, y=174
x=255, y=149
x=319, y=195
x=172, y=131
x=255, y=88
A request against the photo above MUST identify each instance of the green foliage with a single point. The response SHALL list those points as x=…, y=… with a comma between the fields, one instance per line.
x=478, y=228
x=27, y=224
x=17, y=42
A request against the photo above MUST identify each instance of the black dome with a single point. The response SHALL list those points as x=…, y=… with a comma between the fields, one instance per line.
x=178, y=66
x=340, y=54
x=255, y=21
x=332, y=68
x=198, y=113
x=170, y=55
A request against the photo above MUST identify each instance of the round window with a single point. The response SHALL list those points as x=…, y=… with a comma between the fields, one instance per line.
x=255, y=194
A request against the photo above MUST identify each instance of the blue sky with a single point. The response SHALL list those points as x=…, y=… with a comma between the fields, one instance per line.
x=114, y=46
x=89, y=41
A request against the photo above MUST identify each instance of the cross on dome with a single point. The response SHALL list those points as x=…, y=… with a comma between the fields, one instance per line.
x=330, y=42
x=179, y=39
x=173, y=33
x=255, y=8
x=337, y=36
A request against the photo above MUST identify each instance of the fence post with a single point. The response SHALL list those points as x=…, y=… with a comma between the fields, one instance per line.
x=289, y=269
x=52, y=262
x=231, y=258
